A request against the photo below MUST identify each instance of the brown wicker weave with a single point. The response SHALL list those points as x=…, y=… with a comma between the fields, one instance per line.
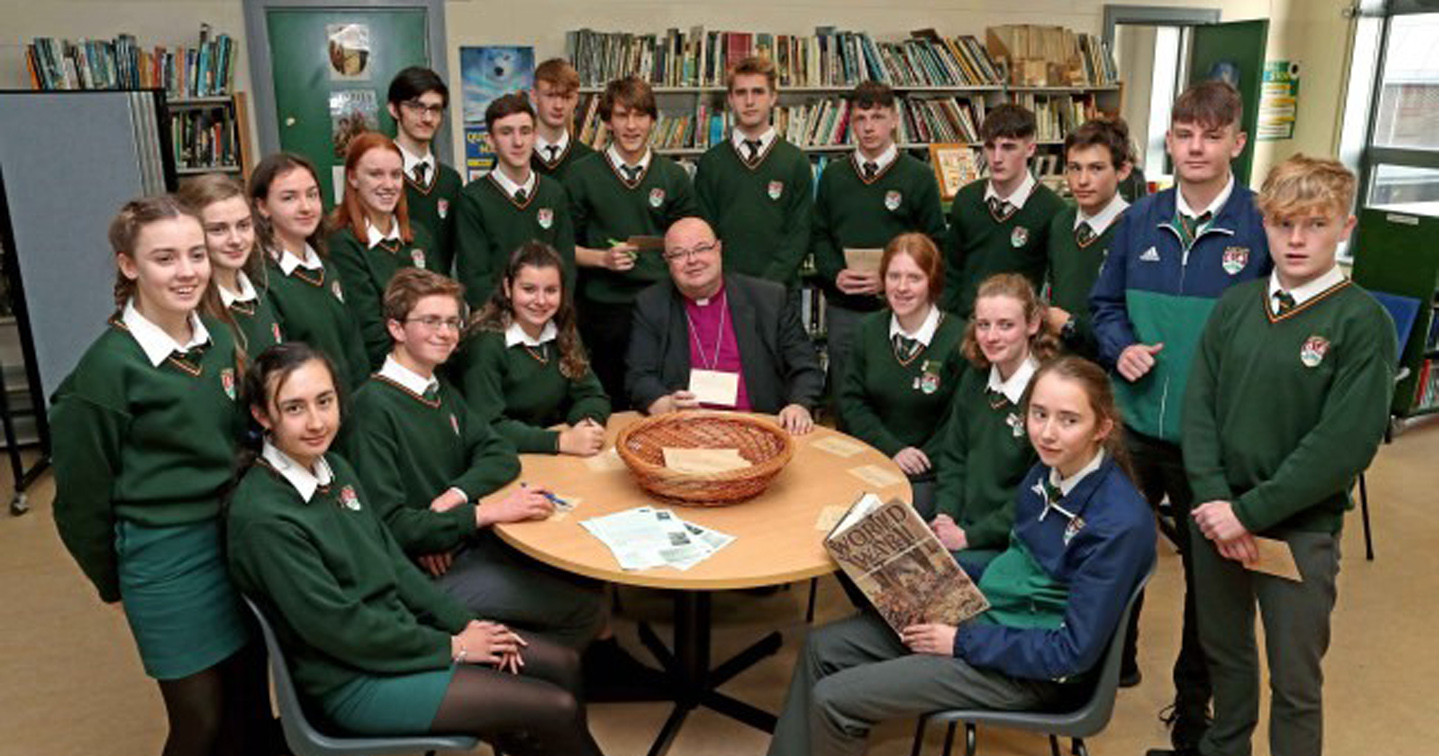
x=766, y=445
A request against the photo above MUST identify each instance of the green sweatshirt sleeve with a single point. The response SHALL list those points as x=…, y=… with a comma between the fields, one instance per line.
x=362, y=296
x=706, y=188
x=421, y=594
x=931, y=218
x=493, y=462
x=85, y=450
x=588, y=399
x=375, y=452
x=481, y=383
x=473, y=267
x=300, y=585
x=1339, y=446
x=949, y=244
x=860, y=418
x=799, y=213
x=565, y=240
x=684, y=205
x=829, y=258
x=950, y=475
x=1200, y=433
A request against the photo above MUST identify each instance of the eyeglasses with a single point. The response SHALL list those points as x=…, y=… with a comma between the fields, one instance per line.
x=675, y=255
x=422, y=108
x=435, y=323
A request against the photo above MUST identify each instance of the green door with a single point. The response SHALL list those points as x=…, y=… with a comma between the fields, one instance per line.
x=1234, y=52
x=331, y=70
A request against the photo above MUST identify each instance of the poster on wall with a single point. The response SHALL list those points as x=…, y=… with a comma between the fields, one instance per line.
x=348, y=49
x=1279, y=90
x=487, y=73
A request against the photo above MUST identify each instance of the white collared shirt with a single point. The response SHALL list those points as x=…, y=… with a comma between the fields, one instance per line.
x=154, y=341
x=511, y=187
x=374, y=236
x=247, y=291
x=882, y=161
x=1013, y=387
x=926, y=331
x=541, y=145
x=1066, y=485
x=411, y=380
x=1213, y=208
x=1305, y=291
x=515, y=334
x=738, y=138
x=1107, y=215
x=613, y=154
x=289, y=261
x=1017, y=198
x=410, y=161
x=304, y=481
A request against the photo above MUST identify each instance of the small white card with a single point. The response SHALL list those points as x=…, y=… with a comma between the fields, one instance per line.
x=715, y=387
x=838, y=446
x=704, y=461
x=863, y=259
x=876, y=475
x=605, y=461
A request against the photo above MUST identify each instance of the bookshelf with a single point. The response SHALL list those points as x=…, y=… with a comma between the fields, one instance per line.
x=210, y=134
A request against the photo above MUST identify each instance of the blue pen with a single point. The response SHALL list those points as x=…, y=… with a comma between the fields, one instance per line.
x=550, y=496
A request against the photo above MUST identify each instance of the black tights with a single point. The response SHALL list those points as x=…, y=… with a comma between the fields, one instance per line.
x=532, y=714
x=223, y=710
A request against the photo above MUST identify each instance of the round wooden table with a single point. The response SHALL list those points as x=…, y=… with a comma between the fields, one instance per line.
x=777, y=541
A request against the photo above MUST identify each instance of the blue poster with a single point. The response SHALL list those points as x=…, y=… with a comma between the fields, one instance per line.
x=487, y=73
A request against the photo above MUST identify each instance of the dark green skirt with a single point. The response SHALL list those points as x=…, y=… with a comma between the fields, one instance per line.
x=389, y=704
x=183, y=611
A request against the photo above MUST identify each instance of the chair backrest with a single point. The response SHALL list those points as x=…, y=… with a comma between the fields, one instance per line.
x=1092, y=716
x=293, y=721
x=1403, y=310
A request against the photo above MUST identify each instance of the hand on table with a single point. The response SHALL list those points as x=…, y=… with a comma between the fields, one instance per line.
x=912, y=461
x=934, y=639
x=796, y=419
x=583, y=439
x=519, y=505
x=951, y=536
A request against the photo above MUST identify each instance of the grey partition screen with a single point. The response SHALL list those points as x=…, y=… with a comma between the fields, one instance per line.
x=68, y=161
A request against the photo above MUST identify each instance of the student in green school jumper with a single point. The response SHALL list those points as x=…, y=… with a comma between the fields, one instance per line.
x=863, y=203
x=143, y=442
x=433, y=465
x=624, y=192
x=374, y=647
x=1288, y=401
x=523, y=365
x=556, y=94
x=514, y=204
x=417, y=100
x=1097, y=159
x=999, y=224
x=306, y=291
x=373, y=236
x=1172, y=257
x=755, y=187
x=237, y=272
x=984, y=454
x=906, y=367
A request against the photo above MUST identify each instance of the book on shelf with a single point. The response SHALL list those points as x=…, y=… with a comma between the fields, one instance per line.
x=206, y=69
x=898, y=563
x=1051, y=56
x=1056, y=115
x=204, y=138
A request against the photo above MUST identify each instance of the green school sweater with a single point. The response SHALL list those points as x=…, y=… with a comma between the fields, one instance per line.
x=523, y=396
x=560, y=169
x=132, y=441
x=411, y=450
x=491, y=225
x=258, y=323
x=345, y=602
x=311, y=306
x=366, y=272
x=890, y=405
x=761, y=213
x=433, y=208
x=1072, y=273
x=984, y=456
x=604, y=207
x=849, y=212
x=978, y=246
x=1282, y=412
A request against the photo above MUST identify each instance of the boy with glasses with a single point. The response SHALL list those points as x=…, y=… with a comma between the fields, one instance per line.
x=417, y=100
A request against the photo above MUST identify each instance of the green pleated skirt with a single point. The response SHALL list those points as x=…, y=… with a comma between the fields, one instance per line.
x=388, y=705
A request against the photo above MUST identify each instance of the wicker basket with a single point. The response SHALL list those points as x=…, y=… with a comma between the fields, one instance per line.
x=766, y=445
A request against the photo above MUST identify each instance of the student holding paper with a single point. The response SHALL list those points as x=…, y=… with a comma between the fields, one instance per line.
x=616, y=196
x=556, y=93
x=1287, y=402
x=373, y=646
x=514, y=204
x=983, y=455
x=522, y=363
x=728, y=341
x=906, y=367
x=431, y=464
x=1083, y=539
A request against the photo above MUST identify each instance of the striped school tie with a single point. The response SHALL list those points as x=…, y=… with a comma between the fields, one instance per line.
x=753, y=146
x=1084, y=234
x=1000, y=209
x=905, y=347
x=1189, y=227
x=1284, y=302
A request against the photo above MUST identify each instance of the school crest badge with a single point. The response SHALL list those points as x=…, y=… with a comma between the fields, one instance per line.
x=227, y=382
x=657, y=197
x=1019, y=237
x=775, y=189
x=337, y=291
x=417, y=256
x=349, y=499
x=1076, y=523
x=1312, y=352
x=892, y=200
x=929, y=379
x=545, y=217
x=1017, y=426
x=1234, y=259
x=454, y=424
x=442, y=208
x=275, y=331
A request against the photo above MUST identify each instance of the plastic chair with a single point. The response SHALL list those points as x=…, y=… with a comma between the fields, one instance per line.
x=1403, y=310
x=1090, y=718
x=305, y=740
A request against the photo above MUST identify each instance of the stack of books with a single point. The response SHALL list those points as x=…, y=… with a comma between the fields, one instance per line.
x=206, y=69
x=204, y=138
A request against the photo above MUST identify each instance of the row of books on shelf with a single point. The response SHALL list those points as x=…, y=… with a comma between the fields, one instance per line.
x=204, y=138
x=1057, y=116
x=206, y=69
x=1425, y=398
x=829, y=58
x=1051, y=56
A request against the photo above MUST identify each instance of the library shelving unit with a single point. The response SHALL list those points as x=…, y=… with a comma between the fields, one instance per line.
x=209, y=134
